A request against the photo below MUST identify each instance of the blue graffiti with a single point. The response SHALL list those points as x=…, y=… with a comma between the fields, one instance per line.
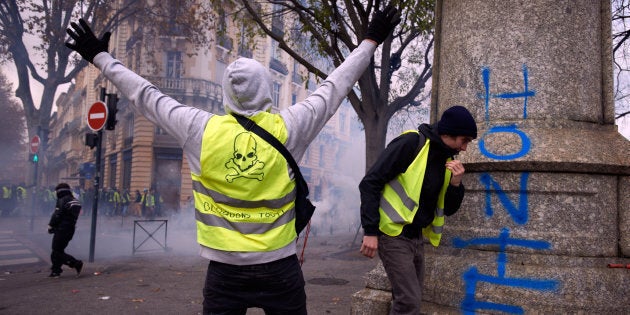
x=525, y=94
x=525, y=143
x=472, y=277
x=519, y=214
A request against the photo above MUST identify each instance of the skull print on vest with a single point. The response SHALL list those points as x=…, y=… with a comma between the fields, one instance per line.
x=245, y=162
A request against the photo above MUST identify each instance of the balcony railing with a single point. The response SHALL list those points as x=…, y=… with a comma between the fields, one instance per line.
x=224, y=41
x=189, y=87
x=277, y=65
x=165, y=141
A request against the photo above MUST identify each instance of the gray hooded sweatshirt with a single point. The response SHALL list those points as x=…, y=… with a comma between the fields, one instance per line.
x=246, y=91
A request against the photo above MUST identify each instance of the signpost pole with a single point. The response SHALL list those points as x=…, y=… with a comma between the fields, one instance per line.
x=97, y=179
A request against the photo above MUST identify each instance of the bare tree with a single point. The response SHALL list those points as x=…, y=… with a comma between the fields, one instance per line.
x=13, y=135
x=621, y=55
x=310, y=31
x=33, y=35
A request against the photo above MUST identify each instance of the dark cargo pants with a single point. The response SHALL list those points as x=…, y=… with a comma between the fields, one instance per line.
x=403, y=259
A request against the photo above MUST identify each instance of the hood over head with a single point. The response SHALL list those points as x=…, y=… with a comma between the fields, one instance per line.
x=246, y=87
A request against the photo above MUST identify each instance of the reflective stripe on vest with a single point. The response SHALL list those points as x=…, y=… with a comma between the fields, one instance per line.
x=400, y=199
x=244, y=197
x=434, y=230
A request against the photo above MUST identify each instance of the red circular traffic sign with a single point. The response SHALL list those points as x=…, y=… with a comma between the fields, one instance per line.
x=34, y=144
x=97, y=116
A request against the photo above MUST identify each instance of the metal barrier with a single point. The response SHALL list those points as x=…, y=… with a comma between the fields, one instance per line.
x=148, y=224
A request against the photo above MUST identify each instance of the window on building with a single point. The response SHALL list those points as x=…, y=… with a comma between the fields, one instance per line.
x=296, y=73
x=126, y=171
x=277, y=20
x=293, y=98
x=243, y=48
x=128, y=130
x=275, y=94
x=223, y=39
x=222, y=23
x=112, y=170
x=276, y=52
x=174, y=64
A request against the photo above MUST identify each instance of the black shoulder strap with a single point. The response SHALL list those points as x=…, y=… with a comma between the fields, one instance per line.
x=421, y=141
x=250, y=125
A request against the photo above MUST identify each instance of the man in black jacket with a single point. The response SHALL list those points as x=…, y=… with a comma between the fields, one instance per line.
x=405, y=195
x=62, y=225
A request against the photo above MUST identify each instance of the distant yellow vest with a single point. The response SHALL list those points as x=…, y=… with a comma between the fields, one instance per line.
x=21, y=193
x=150, y=201
x=244, y=197
x=401, y=198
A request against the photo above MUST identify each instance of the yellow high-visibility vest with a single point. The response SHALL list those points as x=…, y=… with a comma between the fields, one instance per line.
x=401, y=199
x=244, y=197
x=21, y=193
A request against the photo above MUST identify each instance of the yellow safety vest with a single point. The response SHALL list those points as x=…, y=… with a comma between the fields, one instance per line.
x=115, y=197
x=401, y=199
x=21, y=193
x=148, y=200
x=244, y=197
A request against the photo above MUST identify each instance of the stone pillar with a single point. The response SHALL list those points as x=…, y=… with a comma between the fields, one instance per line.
x=547, y=206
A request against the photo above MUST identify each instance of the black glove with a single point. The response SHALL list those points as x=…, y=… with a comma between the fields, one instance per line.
x=86, y=44
x=382, y=24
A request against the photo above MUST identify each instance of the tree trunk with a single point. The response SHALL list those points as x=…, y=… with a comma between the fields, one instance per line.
x=375, y=135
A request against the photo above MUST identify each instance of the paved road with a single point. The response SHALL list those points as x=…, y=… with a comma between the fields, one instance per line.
x=154, y=279
x=13, y=252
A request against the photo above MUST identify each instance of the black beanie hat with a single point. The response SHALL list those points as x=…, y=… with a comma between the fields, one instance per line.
x=457, y=121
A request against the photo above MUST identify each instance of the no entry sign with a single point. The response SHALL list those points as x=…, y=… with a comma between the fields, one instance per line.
x=34, y=144
x=97, y=116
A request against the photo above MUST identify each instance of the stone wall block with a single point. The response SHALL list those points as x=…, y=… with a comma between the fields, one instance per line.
x=571, y=213
x=371, y=302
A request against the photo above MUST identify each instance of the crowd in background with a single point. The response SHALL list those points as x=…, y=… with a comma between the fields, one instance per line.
x=20, y=200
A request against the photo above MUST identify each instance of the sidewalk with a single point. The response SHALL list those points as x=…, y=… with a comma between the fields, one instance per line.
x=155, y=280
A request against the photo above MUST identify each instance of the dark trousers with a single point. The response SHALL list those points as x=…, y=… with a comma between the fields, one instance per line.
x=403, y=260
x=58, y=256
x=277, y=287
